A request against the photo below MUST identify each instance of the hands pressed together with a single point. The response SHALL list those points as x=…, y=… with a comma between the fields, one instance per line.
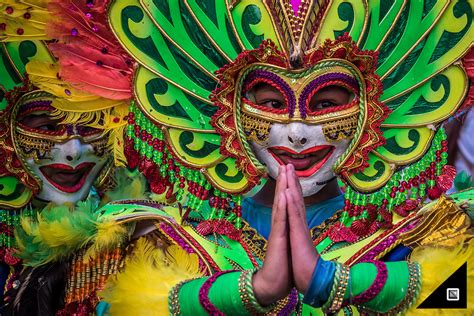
x=291, y=256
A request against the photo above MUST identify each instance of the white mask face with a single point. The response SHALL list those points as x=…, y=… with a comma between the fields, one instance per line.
x=305, y=144
x=68, y=171
x=306, y=148
x=67, y=159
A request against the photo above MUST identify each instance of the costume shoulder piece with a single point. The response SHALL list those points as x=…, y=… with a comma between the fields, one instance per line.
x=192, y=124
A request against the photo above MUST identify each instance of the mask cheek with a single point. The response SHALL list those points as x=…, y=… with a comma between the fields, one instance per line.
x=260, y=149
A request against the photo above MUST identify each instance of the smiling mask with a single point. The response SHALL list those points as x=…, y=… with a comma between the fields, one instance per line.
x=303, y=121
x=307, y=113
x=65, y=159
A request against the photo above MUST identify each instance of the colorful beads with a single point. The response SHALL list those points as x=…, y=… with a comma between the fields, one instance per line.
x=188, y=186
x=403, y=192
x=9, y=219
x=247, y=295
x=340, y=285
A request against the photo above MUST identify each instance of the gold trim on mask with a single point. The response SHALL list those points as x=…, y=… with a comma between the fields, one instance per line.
x=340, y=129
x=256, y=128
x=36, y=146
x=297, y=81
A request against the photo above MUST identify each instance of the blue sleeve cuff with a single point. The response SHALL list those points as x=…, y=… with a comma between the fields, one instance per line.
x=321, y=283
x=102, y=308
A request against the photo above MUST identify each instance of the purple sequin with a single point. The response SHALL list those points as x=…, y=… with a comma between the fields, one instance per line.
x=318, y=82
x=385, y=244
x=70, y=130
x=375, y=288
x=287, y=91
x=204, y=292
x=173, y=235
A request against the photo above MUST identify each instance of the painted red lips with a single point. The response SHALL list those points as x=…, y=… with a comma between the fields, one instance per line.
x=306, y=162
x=66, y=178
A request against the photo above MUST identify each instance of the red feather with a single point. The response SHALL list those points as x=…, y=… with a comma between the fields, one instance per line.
x=91, y=59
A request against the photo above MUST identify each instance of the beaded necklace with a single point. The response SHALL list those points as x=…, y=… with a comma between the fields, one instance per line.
x=9, y=219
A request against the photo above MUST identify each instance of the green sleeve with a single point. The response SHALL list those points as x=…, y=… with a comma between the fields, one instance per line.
x=224, y=295
x=394, y=292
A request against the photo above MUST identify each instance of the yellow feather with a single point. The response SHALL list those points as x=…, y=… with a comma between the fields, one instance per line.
x=109, y=234
x=437, y=264
x=148, y=276
x=61, y=231
x=131, y=185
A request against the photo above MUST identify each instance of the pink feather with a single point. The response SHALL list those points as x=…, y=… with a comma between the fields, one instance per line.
x=91, y=59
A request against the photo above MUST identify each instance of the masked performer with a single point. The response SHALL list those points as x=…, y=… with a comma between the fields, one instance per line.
x=299, y=98
x=49, y=155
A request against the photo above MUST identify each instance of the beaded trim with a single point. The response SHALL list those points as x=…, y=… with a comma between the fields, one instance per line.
x=247, y=294
x=290, y=303
x=88, y=276
x=414, y=286
x=173, y=299
x=341, y=282
x=9, y=219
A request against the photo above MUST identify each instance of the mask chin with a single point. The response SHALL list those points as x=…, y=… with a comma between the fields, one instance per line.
x=304, y=146
x=68, y=173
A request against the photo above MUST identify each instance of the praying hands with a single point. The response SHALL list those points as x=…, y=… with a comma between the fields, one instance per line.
x=291, y=256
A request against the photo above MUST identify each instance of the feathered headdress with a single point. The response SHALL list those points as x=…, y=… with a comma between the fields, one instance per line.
x=191, y=143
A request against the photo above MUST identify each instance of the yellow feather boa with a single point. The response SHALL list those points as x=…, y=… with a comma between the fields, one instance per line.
x=149, y=274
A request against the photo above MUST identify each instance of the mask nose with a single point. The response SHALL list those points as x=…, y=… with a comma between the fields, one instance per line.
x=297, y=134
x=73, y=150
x=297, y=140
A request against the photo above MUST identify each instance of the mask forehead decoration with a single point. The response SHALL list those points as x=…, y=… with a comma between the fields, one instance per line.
x=36, y=131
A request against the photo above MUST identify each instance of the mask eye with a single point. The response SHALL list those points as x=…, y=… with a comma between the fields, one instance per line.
x=86, y=130
x=272, y=104
x=330, y=96
x=267, y=96
x=42, y=122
